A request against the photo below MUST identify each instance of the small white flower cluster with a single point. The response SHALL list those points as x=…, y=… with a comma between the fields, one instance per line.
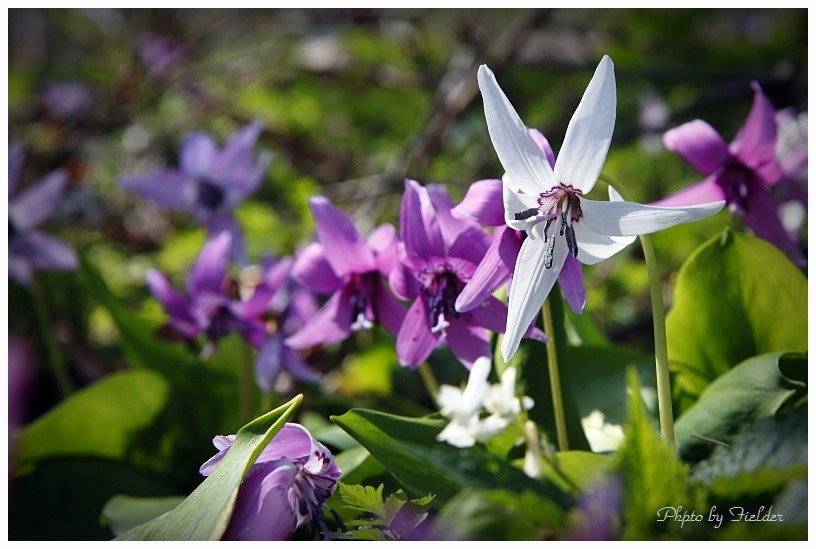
x=463, y=408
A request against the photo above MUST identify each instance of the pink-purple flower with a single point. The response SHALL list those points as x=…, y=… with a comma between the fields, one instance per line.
x=741, y=173
x=210, y=182
x=286, y=488
x=438, y=256
x=30, y=249
x=353, y=270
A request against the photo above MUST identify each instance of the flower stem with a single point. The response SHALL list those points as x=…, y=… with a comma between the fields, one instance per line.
x=428, y=378
x=54, y=359
x=245, y=384
x=664, y=402
x=555, y=379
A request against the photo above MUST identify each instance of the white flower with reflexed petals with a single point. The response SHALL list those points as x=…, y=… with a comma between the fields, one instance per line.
x=548, y=202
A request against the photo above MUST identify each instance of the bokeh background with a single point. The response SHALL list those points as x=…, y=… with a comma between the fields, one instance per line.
x=353, y=101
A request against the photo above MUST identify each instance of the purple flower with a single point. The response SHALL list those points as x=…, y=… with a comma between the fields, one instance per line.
x=30, y=249
x=438, y=256
x=484, y=204
x=210, y=182
x=285, y=488
x=350, y=268
x=741, y=173
x=66, y=100
x=597, y=513
x=161, y=55
x=208, y=308
x=283, y=307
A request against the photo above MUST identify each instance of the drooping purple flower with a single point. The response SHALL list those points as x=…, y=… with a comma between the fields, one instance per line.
x=210, y=182
x=282, y=307
x=741, y=173
x=438, y=256
x=352, y=269
x=286, y=488
x=30, y=249
x=483, y=203
x=208, y=308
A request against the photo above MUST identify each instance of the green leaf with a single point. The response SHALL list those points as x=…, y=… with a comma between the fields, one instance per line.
x=736, y=297
x=581, y=468
x=104, y=420
x=653, y=476
x=751, y=390
x=506, y=515
x=205, y=514
x=364, y=498
x=121, y=513
x=408, y=449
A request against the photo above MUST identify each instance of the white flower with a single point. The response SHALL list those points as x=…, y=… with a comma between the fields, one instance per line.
x=602, y=436
x=548, y=202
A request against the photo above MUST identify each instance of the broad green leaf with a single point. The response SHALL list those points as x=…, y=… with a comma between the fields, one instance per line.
x=408, y=449
x=736, y=297
x=753, y=389
x=363, y=498
x=653, y=477
x=205, y=514
x=104, y=420
x=121, y=513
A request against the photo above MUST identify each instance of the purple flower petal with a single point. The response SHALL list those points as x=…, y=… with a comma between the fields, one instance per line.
x=495, y=269
x=269, y=363
x=197, y=155
x=329, y=325
x=571, y=280
x=174, y=303
x=467, y=342
x=15, y=166
x=544, y=145
x=226, y=222
x=763, y=219
x=390, y=312
x=168, y=187
x=210, y=269
x=234, y=166
x=262, y=508
x=383, y=241
x=292, y=441
x=402, y=283
x=483, y=203
x=471, y=245
x=295, y=365
x=19, y=269
x=44, y=252
x=450, y=226
x=419, y=226
x=37, y=203
x=699, y=144
x=415, y=342
x=346, y=250
x=703, y=192
x=313, y=271
x=755, y=144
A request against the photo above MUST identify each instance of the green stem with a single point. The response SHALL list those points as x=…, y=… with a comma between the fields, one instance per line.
x=245, y=384
x=428, y=378
x=555, y=379
x=53, y=357
x=664, y=401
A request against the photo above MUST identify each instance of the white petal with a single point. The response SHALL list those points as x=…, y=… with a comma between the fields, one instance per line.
x=589, y=132
x=476, y=386
x=516, y=203
x=532, y=282
x=630, y=218
x=516, y=149
x=460, y=434
x=594, y=247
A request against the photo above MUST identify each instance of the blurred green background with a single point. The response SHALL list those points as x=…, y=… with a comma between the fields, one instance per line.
x=353, y=102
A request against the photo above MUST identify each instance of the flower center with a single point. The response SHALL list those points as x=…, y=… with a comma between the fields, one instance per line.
x=210, y=196
x=363, y=314
x=443, y=289
x=562, y=205
x=736, y=181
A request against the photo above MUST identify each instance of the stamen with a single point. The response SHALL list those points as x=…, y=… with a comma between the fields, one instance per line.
x=572, y=245
x=549, y=246
x=441, y=324
x=361, y=323
x=526, y=214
